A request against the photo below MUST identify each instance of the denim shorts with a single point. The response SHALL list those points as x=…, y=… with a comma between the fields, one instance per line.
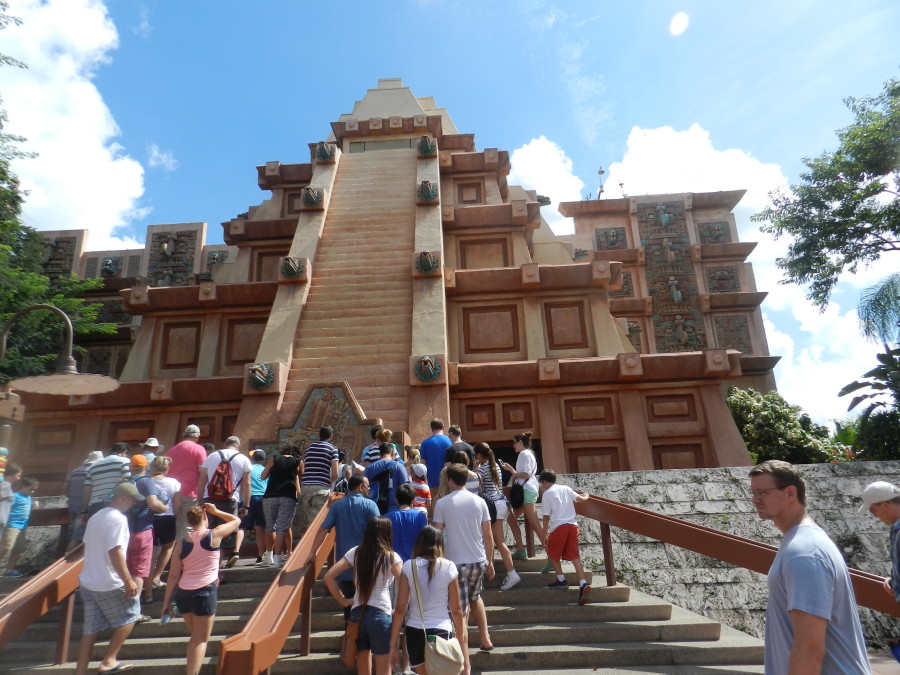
x=199, y=602
x=374, y=630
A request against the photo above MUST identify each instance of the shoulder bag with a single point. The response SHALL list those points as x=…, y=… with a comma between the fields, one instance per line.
x=442, y=656
x=350, y=643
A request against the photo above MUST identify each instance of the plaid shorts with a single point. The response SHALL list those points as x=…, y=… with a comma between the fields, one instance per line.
x=105, y=610
x=279, y=513
x=471, y=583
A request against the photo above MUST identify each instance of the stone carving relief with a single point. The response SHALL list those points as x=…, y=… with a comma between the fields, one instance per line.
x=90, y=268
x=111, y=267
x=427, y=191
x=113, y=311
x=327, y=406
x=733, y=332
x=723, y=279
x=714, y=233
x=634, y=336
x=291, y=268
x=325, y=152
x=216, y=258
x=627, y=290
x=671, y=278
x=610, y=238
x=171, y=260
x=59, y=256
x=134, y=266
x=426, y=146
x=427, y=262
x=260, y=376
x=427, y=369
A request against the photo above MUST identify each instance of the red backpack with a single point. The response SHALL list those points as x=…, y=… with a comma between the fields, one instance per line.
x=221, y=486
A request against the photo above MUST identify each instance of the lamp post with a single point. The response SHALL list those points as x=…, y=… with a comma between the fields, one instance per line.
x=66, y=381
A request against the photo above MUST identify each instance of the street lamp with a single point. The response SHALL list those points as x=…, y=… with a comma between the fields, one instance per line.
x=66, y=381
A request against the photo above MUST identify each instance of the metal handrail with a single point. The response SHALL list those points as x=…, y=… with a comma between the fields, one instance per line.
x=730, y=548
x=33, y=599
x=257, y=647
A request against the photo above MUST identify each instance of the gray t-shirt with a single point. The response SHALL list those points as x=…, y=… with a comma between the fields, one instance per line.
x=810, y=575
x=462, y=514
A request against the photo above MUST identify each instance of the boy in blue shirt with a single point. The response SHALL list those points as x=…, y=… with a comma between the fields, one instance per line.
x=19, y=512
x=406, y=521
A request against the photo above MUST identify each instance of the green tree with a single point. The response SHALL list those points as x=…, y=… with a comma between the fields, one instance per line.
x=878, y=427
x=34, y=341
x=772, y=428
x=879, y=310
x=846, y=211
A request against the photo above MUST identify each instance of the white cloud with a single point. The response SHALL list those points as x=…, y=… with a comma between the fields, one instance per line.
x=158, y=159
x=543, y=166
x=143, y=27
x=82, y=178
x=679, y=24
x=592, y=116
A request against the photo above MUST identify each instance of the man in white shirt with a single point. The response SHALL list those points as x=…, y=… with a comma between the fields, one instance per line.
x=466, y=522
x=238, y=502
x=109, y=593
x=558, y=511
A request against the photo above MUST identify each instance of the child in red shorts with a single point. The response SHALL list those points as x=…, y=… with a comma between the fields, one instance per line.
x=558, y=511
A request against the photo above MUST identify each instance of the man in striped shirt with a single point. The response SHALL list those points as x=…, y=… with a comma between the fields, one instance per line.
x=320, y=470
x=102, y=478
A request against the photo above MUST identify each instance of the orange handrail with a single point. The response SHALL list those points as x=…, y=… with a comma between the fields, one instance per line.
x=730, y=548
x=256, y=648
x=30, y=601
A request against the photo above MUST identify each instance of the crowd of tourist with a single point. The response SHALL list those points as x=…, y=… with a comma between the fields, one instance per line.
x=415, y=532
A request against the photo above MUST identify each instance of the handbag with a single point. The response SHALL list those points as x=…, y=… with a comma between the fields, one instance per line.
x=516, y=496
x=443, y=656
x=350, y=642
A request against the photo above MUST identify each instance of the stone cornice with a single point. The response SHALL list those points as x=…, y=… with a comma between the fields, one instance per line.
x=387, y=126
x=726, y=199
x=714, y=364
x=272, y=175
x=240, y=229
x=489, y=159
x=738, y=250
x=601, y=275
x=515, y=213
x=752, y=364
x=200, y=298
x=746, y=301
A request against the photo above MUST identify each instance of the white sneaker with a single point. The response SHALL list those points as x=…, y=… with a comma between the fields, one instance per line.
x=511, y=580
x=268, y=558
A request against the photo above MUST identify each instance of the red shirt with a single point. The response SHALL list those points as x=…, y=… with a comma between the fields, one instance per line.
x=187, y=457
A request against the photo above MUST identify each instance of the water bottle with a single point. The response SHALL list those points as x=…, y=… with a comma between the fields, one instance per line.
x=166, y=618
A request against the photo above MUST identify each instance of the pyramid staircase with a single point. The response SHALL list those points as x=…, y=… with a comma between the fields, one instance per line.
x=532, y=628
x=356, y=324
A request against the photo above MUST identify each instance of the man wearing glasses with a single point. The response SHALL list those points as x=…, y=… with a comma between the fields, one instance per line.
x=882, y=500
x=812, y=625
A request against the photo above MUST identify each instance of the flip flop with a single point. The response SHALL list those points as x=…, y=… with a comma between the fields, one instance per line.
x=120, y=668
x=485, y=649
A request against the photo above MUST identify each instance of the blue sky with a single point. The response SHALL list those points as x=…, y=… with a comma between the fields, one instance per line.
x=145, y=111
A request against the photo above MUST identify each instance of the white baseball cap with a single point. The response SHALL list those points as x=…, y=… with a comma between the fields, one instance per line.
x=151, y=443
x=419, y=470
x=192, y=430
x=879, y=491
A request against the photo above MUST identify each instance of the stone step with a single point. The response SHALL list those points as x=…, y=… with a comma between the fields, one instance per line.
x=359, y=314
x=364, y=353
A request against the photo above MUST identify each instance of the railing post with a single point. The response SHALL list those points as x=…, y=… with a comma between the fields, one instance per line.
x=64, y=632
x=309, y=578
x=608, y=563
x=529, y=538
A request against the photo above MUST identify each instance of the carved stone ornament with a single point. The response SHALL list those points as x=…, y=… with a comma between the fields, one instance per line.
x=325, y=152
x=291, y=268
x=313, y=196
x=260, y=376
x=111, y=267
x=427, y=191
x=427, y=369
x=427, y=262
x=426, y=147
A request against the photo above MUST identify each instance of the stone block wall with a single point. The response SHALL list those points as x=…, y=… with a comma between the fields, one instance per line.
x=720, y=499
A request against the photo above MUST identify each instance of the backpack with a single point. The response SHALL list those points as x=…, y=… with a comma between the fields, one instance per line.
x=221, y=486
x=384, y=484
x=341, y=485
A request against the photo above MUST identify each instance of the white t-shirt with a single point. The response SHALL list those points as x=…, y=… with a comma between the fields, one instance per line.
x=558, y=502
x=381, y=591
x=107, y=529
x=171, y=487
x=435, y=597
x=462, y=514
x=526, y=462
x=240, y=465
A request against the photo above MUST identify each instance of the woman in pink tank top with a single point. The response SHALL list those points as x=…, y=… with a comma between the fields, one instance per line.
x=194, y=578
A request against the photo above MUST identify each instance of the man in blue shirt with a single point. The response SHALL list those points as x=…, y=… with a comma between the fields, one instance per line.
x=406, y=521
x=349, y=516
x=397, y=476
x=432, y=451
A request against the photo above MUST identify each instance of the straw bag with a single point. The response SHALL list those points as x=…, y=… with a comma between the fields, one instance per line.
x=350, y=643
x=442, y=656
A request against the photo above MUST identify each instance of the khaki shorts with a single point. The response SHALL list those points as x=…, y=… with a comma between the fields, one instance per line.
x=312, y=498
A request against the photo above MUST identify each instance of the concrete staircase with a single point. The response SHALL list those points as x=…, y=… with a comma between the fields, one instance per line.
x=356, y=325
x=533, y=629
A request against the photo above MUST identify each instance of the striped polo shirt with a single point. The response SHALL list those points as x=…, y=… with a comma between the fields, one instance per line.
x=317, y=464
x=104, y=475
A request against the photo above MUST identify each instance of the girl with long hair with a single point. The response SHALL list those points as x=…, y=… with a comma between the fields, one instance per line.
x=490, y=481
x=194, y=578
x=163, y=523
x=375, y=566
x=525, y=473
x=280, y=502
x=438, y=581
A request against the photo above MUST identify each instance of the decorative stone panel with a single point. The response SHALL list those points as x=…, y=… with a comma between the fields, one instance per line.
x=480, y=416
x=596, y=412
x=600, y=459
x=714, y=233
x=677, y=456
x=635, y=335
x=489, y=330
x=517, y=415
x=484, y=253
x=113, y=311
x=180, y=345
x=733, y=332
x=60, y=256
x=134, y=266
x=242, y=339
x=566, y=325
x=470, y=192
x=627, y=290
x=292, y=203
x=671, y=408
x=723, y=279
x=171, y=257
x=610, y=238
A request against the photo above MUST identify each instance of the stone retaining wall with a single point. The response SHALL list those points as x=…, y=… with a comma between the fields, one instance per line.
x=720, y=499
